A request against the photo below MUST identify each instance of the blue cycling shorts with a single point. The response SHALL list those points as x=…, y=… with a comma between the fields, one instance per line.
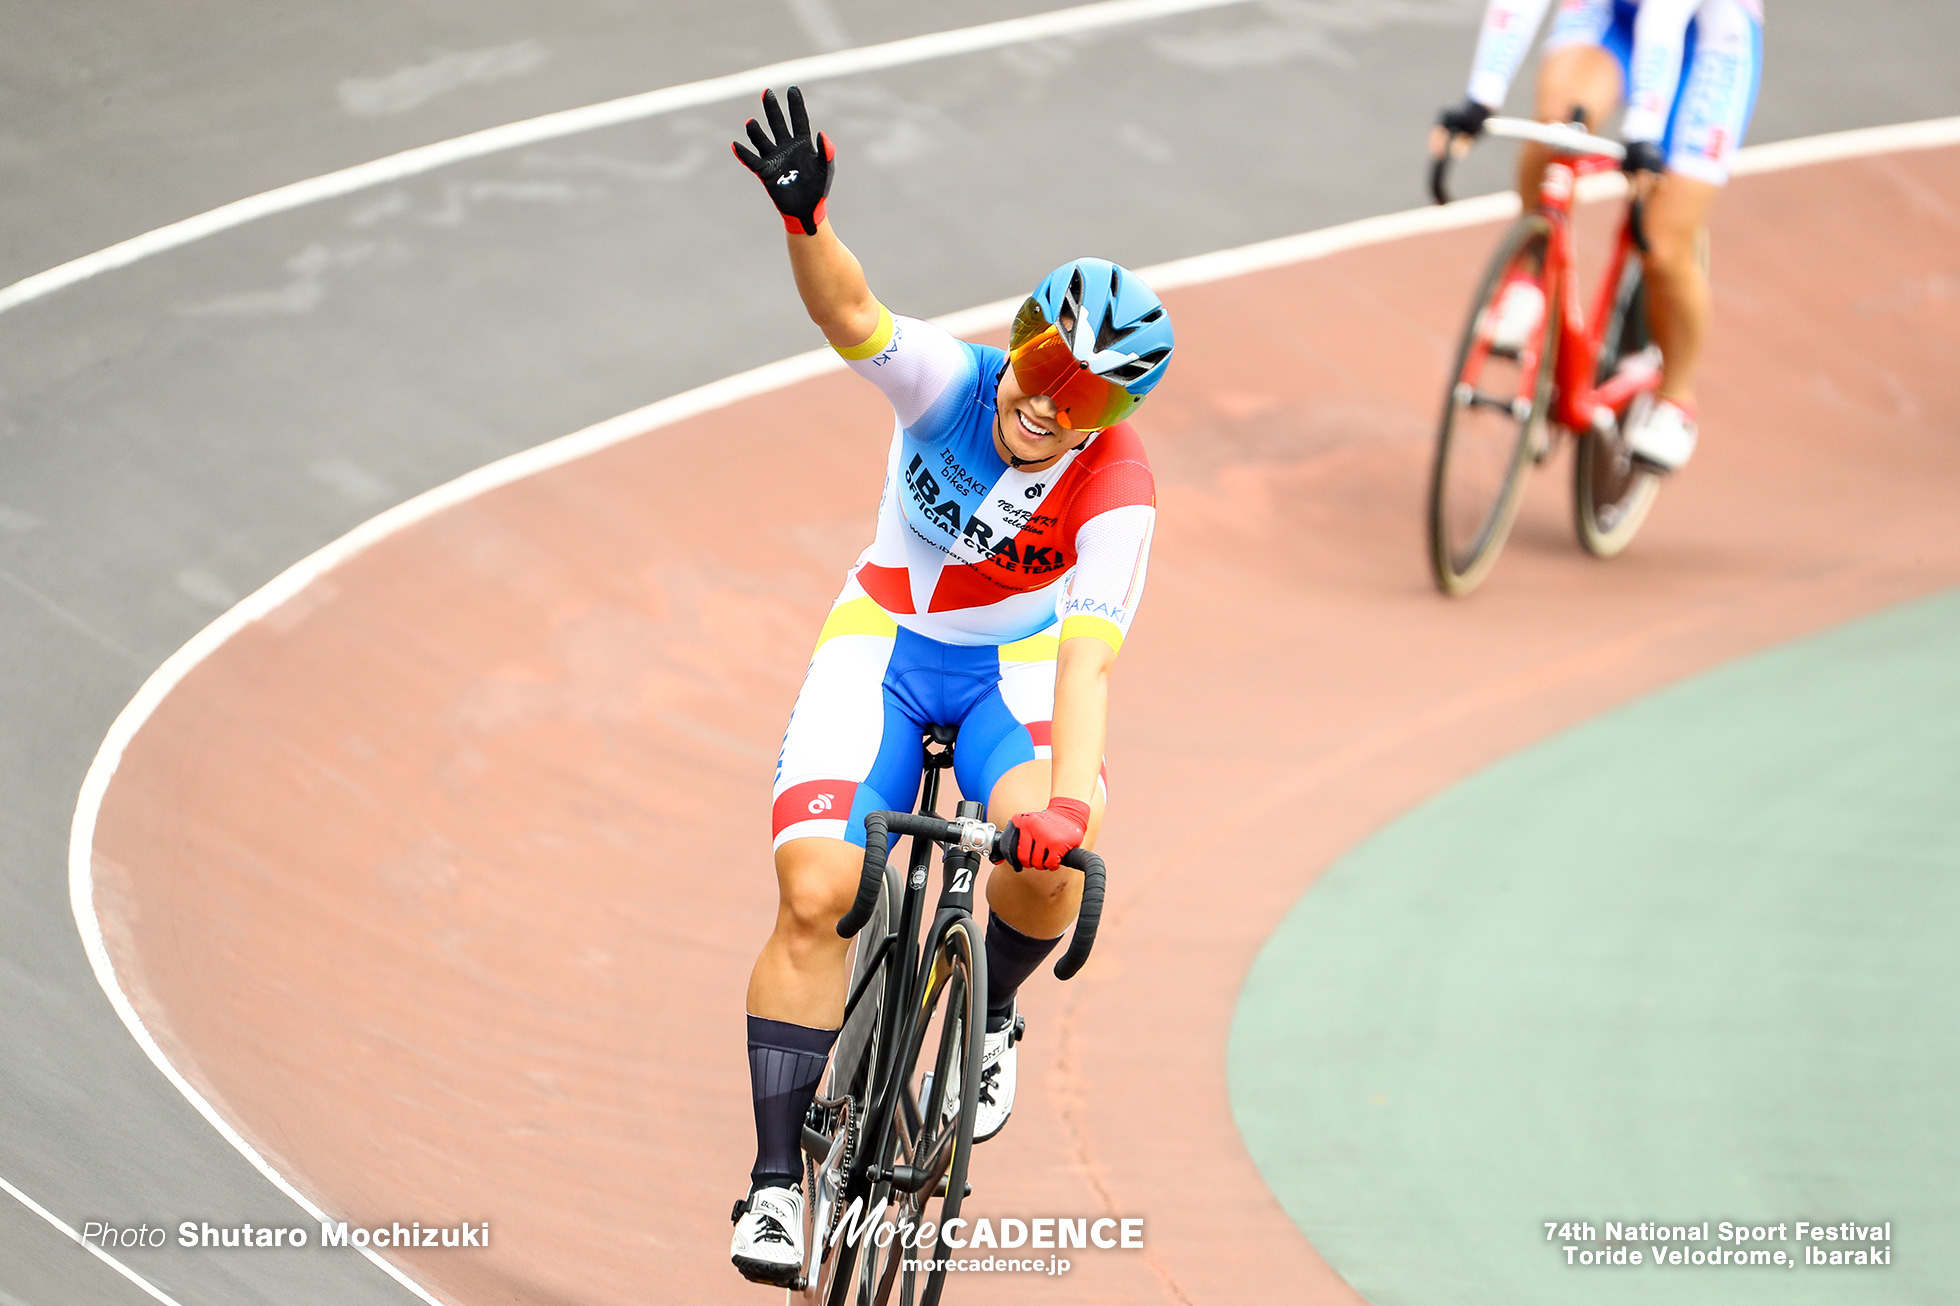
x=855, y=738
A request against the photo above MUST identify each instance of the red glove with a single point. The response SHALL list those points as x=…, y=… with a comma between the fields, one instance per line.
x=1046, y=835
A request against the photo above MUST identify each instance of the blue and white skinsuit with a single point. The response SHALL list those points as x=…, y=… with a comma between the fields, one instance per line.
x=1690, y=68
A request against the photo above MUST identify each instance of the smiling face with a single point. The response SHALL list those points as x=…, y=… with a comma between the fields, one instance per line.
x=1025, y=429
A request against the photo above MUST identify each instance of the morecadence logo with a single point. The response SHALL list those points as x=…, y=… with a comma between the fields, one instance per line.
x=1007, y=1233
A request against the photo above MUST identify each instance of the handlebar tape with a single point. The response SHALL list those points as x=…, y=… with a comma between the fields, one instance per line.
x=877, y=846
x=1086, y=920
x=880, y=826
x=1090, y=915
x=878, y=829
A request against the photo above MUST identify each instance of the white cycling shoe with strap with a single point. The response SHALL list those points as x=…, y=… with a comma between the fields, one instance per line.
x=768, y=1245
x=1662, y=435
x=999, y=1056
x=998, y=1063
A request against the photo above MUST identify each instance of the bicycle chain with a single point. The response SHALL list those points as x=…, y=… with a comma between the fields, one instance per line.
x=852, y=1133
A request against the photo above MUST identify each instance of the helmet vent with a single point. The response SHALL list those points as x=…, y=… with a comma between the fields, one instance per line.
x=1138, y=368
x=1108, y=335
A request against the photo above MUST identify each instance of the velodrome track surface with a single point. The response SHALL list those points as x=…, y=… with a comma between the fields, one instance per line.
x=174, y=434
x=441, y=880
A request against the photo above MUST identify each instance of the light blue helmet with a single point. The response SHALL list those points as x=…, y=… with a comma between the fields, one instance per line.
x=1114, y=325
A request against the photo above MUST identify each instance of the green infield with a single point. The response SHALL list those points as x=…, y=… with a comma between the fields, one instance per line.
x=1692, y=962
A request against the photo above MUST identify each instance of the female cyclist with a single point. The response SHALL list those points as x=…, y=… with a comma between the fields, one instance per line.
x=1687, y=71
x=1012, y=541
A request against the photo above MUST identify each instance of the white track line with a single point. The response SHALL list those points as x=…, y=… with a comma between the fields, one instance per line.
x=90, y=1247
x=1834, y=146
x=608, y=113
x=720, y=394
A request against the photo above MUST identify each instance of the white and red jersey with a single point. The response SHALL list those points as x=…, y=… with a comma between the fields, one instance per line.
x=973, y=551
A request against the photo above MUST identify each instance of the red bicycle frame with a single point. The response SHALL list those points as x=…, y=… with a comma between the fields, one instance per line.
x=1577, y=404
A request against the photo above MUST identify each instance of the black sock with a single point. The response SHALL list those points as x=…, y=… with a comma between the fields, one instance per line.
x=785, y=1063
x=1011, y=958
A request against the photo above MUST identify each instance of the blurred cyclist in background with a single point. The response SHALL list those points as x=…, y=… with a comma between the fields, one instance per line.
x=1012, y=541
x=1687, y=71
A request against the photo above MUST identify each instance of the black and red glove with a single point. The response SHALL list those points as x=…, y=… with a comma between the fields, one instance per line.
x=794, y=168
x=1043, y=837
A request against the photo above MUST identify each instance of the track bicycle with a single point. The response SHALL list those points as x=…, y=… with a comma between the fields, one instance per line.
x=1529, y=365
x=889, y=1137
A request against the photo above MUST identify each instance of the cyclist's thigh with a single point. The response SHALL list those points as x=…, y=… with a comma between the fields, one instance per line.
x=1579, y=76
x=1676, y=215
x=1584, y=63
x=850, y=747
x=1026, y=789
x=1718, y=91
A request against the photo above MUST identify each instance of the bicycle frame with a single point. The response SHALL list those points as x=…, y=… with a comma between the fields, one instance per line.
x=906, y=990
x=1578, y=404
x=903, y=984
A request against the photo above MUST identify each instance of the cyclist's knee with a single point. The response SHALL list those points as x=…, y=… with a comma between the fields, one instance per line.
x=1671, y=248
x=1043, y=887
x=1675, y=219
x=817, y=880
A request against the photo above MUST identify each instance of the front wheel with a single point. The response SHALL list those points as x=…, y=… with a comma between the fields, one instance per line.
x=1496, y=410
x=933, y=1126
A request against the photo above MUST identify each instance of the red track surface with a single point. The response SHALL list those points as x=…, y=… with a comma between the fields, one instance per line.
x=443, y=882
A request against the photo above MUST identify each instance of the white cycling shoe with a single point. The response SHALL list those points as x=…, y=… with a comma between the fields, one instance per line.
x=1516, y=317
x=998, y=1058
x=768, y=1245
x=1661, y=435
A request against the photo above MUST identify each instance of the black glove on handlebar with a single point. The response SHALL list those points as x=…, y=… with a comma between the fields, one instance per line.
x=1643, y=156
x=1466, y=119
x=794, y=168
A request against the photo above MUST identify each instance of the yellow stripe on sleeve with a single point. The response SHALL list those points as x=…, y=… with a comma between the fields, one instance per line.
x=1035, y=648
x=876, y=344
x=859, y=616
x=1093, y=628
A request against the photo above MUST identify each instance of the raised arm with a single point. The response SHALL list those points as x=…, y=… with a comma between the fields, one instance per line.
x=796, y=169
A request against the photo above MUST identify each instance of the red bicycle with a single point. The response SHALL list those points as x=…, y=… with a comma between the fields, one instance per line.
x=1528, y=364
